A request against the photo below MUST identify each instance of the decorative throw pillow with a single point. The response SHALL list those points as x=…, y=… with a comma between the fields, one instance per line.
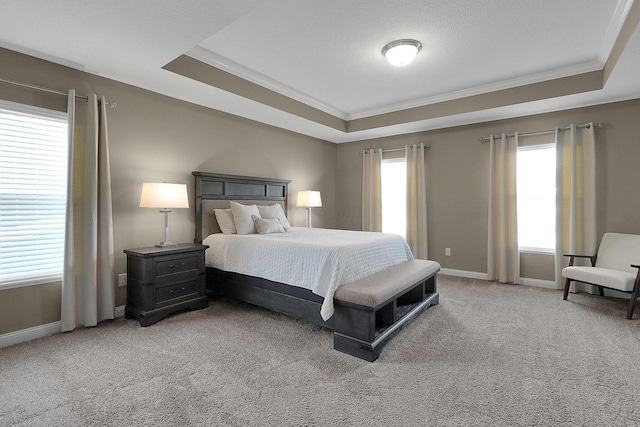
x=267, y=225
x=242, y=217
x=275, y=211
x=225, y=221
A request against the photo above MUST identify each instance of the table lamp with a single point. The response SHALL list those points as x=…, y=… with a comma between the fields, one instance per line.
x=166, y=197
x=309, y=199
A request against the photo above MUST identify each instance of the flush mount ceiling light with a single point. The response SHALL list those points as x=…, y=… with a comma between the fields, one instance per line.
x=401, y=52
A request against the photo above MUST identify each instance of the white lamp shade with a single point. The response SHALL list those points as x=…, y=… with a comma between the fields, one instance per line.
x=309, y=199
x=163, y=195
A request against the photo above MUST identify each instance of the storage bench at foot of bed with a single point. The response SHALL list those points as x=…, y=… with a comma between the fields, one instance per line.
x=373, y=309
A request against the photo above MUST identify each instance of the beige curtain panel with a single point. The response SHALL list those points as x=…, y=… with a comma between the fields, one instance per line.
x=575, y=197
x=372, y=190
x=417, y=200
x=503, y=257
x=88, y=284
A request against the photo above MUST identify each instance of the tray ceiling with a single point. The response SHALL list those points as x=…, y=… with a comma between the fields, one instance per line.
x=316, y=67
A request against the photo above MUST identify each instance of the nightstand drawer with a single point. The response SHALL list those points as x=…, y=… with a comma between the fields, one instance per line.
x=176, y=291
x=176, y=264
x=172, y=279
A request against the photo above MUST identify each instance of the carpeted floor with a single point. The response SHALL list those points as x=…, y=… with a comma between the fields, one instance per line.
x=488, y=355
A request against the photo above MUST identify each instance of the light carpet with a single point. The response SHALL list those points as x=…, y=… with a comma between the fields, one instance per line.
x=487, y=355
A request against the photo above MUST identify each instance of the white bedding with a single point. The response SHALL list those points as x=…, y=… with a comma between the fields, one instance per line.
x=317, y=259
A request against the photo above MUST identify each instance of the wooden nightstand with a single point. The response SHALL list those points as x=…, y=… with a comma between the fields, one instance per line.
x=162, y=281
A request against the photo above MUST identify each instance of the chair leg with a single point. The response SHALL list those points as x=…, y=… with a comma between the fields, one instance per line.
x=634, y=298
x=567, y=283
x=601, y=291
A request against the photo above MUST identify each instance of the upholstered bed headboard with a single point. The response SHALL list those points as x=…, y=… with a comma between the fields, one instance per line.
x=215, y=191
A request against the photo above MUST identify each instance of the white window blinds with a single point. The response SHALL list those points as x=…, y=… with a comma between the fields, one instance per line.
x=33, y=176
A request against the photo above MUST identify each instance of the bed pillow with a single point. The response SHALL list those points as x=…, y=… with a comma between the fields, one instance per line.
x=275, y=211
x=242, y=216
x=267, y=225
x=225, y=221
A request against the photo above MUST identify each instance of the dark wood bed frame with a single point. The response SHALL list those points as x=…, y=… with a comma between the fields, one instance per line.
x=286, y=299
x=215, y=191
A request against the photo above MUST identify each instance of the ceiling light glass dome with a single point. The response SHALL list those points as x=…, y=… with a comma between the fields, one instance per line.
x=401, y=52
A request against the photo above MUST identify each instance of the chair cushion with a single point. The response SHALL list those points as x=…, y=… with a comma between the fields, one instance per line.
x=615, y=279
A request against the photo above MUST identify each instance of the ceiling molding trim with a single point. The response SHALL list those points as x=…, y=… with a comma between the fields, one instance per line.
x=614, y=29
x=207, y=74
x=46, y=57
x=509, y=93
x=479, y=90
x=632, y=18
x=218, y=61
x=548, y=89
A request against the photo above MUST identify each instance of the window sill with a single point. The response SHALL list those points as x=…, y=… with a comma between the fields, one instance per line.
x=540, y=251
x=35, y=281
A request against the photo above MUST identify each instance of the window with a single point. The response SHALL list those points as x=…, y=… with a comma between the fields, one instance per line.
x=33, y=176
x=536, y=187
x=394, y=196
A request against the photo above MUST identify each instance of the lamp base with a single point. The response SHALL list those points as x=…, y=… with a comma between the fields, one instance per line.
x=166, y=245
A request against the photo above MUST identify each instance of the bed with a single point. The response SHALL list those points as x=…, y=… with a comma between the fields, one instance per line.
x=298, y=272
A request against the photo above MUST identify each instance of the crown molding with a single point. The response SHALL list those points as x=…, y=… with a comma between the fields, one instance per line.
x=615, y=26
x=220, y=62
x=479, y=90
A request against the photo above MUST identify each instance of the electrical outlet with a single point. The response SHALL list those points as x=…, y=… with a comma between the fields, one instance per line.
x=447, y=251
x=122, y=280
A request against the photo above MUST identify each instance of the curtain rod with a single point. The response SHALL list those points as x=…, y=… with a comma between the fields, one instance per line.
x=55, y=92
x=389, y=150
x=485, y=139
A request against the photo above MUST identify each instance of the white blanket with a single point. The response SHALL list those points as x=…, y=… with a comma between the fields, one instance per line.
x=317, y=259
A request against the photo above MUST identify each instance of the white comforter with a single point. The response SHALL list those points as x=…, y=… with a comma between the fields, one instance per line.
x=317, y=259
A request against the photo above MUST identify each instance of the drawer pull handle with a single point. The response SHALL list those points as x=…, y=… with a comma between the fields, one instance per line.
x=178, y=265
x=177, y=290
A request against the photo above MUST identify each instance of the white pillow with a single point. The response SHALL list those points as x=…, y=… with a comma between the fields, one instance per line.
x=267, y=225
x=225, y=221
x=242, y=216
x=275, y=211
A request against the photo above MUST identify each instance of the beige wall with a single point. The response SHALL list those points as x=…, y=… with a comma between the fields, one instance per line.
x=153, y=137
x=458, y=181
x=156, y=138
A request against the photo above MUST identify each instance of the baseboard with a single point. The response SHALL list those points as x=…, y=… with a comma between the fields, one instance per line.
x=548, y=284
x=29, y=334
x=120, y=310
x=464, y=273
x=483, y=276
x=39, y=331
